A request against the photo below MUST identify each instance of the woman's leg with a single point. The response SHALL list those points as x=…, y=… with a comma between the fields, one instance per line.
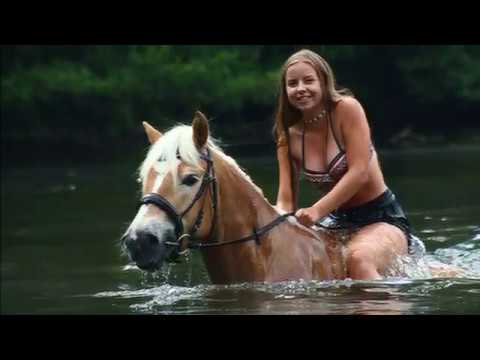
x=371, y=250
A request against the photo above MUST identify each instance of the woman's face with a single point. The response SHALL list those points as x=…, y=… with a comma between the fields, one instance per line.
x=303, y=87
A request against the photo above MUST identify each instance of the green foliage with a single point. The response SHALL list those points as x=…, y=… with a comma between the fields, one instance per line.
x=90, y=94
x=436, y=73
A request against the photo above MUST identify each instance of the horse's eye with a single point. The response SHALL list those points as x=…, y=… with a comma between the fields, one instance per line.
x=189, y=180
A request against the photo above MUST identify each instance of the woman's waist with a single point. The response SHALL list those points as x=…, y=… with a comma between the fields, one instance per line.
x=369, y=191
x=359, y=206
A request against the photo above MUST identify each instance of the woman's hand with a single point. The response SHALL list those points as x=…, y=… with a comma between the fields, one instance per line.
x=307, y=216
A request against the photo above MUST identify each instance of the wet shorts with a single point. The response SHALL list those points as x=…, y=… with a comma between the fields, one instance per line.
x=384, y=208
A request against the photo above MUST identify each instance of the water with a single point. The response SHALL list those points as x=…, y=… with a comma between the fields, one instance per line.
x=60, y=254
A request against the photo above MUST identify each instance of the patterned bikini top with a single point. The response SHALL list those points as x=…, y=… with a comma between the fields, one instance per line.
x=335, y=170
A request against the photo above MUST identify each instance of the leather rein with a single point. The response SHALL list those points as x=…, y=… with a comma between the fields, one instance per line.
x=208, y=179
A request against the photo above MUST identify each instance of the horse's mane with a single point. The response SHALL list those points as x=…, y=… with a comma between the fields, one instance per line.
x=180, y=138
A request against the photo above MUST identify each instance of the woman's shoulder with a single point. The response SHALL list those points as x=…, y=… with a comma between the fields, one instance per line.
x=347, y=103
x=348, y=108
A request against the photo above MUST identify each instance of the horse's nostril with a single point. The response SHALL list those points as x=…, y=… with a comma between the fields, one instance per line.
x=128, y=242
x=147, y=241
x=152, y=240
x=145, y=249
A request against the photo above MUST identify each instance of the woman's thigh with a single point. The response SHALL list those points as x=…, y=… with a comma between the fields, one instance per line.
x=378, y=243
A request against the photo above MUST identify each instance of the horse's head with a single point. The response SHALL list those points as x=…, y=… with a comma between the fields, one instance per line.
x=178, y=188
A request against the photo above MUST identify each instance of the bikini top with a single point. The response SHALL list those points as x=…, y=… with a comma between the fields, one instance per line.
x=335, y=169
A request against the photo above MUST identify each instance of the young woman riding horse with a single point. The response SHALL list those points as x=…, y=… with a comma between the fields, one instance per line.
x=196, y=197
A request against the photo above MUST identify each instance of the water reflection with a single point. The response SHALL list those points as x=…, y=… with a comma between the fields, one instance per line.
x=337, y=297
x=185, y=289
x=59, y=253
x=388, y=297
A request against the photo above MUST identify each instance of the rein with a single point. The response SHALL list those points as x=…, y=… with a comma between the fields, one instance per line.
x=208, y=179
x=255, y=236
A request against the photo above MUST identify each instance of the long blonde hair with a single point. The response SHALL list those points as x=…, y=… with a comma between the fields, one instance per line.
x=286, y=115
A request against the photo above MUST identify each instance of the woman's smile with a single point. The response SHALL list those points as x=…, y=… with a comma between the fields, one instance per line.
x=303, y=86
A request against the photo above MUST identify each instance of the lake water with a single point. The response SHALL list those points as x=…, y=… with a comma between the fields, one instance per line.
x=61, y=226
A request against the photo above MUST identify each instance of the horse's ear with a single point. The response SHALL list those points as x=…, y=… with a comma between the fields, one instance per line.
x=200, y=130
x=152, y=133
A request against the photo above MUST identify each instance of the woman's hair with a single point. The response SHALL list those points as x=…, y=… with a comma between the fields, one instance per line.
x=286, y=115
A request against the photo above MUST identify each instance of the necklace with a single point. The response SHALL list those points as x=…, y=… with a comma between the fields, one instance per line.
x=317, y=118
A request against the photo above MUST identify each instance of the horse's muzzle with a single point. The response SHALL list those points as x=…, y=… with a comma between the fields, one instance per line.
x=146, y=250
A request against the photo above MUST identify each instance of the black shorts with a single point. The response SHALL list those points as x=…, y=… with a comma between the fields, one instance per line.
x=384, y=208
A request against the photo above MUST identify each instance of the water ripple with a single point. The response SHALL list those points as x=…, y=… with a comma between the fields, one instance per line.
x=415, y=291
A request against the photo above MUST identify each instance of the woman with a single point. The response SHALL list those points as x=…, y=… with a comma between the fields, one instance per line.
x=324, y=133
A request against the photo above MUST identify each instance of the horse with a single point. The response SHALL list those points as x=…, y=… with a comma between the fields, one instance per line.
x=197, y=197
x=194, y=196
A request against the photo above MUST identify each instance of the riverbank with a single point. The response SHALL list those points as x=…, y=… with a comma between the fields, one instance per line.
x=37, y=154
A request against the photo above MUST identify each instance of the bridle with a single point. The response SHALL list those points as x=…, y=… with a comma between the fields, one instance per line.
x=180, y=246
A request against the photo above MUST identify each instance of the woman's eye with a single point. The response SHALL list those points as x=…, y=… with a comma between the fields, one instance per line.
x=189, y=180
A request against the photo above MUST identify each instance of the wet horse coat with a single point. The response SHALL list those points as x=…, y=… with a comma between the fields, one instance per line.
x=174, y=170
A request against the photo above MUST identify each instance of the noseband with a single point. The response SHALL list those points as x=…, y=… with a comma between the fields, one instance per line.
x=208, y=179
x=163, y=204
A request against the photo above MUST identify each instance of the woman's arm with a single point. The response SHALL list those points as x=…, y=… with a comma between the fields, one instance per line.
x=356, y=136
x=285, y=197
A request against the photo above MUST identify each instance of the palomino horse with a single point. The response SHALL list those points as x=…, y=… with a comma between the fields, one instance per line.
x=195, y=196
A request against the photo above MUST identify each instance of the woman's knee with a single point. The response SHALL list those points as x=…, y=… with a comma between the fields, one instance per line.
x=361, y=265
x=359, y=258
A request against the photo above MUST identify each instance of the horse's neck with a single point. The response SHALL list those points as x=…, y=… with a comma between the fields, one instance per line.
x=241, y=209
x=241, y=206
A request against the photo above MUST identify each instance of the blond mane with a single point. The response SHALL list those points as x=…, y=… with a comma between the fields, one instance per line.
x=180, y=138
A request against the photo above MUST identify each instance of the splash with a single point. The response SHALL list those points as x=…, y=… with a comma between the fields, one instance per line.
x=160, y=297
x=413, y=265
x=410, y=267
x=465, y=256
